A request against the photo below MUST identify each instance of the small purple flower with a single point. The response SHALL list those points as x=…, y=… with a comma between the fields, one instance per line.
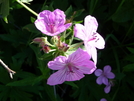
x=70, y=68
x=51, y=23
x=103, y=99
x=104, y=75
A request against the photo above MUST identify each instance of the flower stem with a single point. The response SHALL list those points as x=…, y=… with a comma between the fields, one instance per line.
x=30, y=10
x=11, y=72
x=78, y=45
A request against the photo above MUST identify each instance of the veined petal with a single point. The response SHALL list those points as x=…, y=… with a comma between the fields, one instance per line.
x=58, y=63
x=91, y=26
x=91, y=51
x=43, y=14
x=98, y=42
x=78, y=57
x=79, y=32
x=75, y=75
x=58, y=77
x=87, y=67
x=40, y=25
x=98, y=72
x=62, y=28
x=59, y=17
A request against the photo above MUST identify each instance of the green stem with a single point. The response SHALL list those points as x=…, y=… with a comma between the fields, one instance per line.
x=30, y=10
x=129, y=31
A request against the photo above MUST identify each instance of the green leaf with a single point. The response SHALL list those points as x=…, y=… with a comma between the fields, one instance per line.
x=129, y=68
x=120, y=76
x=71, y=84
x=4, y=9
x=130, y=49
x=68, y=12
x=23, y=82
x=31, y=28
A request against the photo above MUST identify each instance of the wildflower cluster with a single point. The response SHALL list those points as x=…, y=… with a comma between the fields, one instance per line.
x=72, y=66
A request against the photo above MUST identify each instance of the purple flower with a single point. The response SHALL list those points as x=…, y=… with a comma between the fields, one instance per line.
x=103, y=99
x=107, y=88
x=104, y=75
x=51, y=23
x=88, y=34
x=70, y=68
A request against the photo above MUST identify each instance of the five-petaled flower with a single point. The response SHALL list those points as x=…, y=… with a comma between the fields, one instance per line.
x=88, y=34
x=52, y=23
x=70, y=68
x=104, y=76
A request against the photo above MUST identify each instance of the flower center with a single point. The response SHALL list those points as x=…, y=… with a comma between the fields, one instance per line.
x=52, y=27
x=94, y=37
x=71, y=67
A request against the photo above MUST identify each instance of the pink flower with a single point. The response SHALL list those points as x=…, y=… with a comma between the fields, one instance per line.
x=70, y=68
x=88, y=34
x=51, y=23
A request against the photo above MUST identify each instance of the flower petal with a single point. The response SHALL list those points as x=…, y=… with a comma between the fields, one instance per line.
x=98, y=72
x=105, y=80
x=43, y=14
x=110, y=75
x=78, y=57
x=107, y=88
x=62, y=28
x=91, y=51
x=88, y=67
x=40, y=25
x=58, y=77
x=75, y=75
x=99, y=80
x=103, y=99
x=79, y=32
x=58, y=63
x=98, y=42
x=91, y=25
x=60, y=16
x=107, y=69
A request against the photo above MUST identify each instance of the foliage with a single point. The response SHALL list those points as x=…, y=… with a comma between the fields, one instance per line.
x=17, y=30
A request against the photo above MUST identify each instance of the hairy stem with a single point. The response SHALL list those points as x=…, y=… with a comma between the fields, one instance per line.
x=11, y=72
